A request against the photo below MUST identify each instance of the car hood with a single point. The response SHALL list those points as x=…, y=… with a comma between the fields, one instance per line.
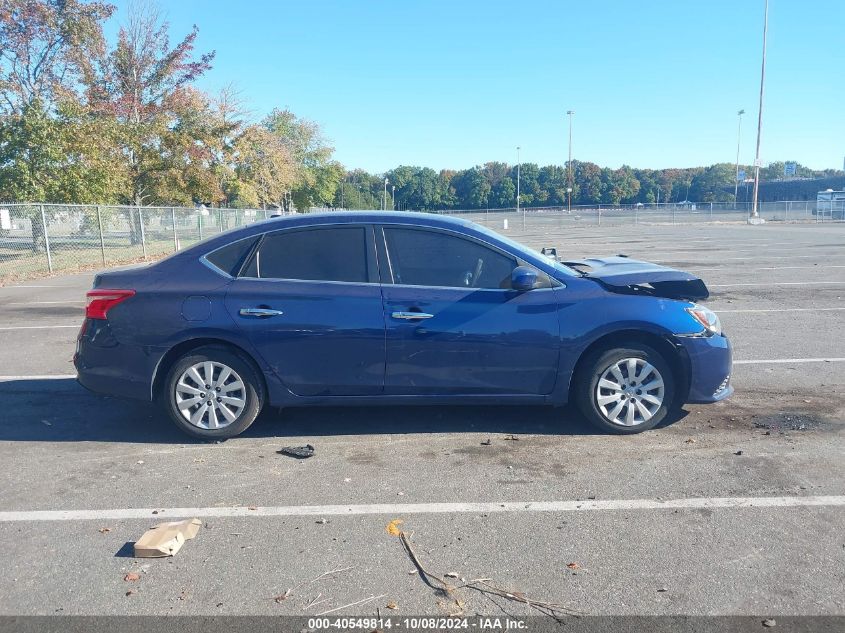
x=631, y=276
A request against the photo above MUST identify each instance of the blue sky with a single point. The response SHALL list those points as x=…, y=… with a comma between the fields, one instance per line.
x=451, y=84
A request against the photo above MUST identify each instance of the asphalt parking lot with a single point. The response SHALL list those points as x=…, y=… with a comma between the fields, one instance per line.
x=735, y=508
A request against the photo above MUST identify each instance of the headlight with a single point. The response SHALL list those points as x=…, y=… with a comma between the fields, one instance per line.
x=706, y=317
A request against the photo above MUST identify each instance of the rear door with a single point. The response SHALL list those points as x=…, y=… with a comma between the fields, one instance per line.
x=309, y=301
x=455, y=326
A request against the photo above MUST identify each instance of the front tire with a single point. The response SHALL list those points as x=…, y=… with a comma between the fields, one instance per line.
x=625, y=390
x=212, y=393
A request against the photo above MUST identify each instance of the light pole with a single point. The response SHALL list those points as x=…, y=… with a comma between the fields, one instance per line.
x=517, y=183
x=754, y=213
x=738, y=137
x=393, y=197
x=384, y=200
x=569, y=166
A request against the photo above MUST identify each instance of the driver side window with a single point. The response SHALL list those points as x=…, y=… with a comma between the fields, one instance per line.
x=430, y=258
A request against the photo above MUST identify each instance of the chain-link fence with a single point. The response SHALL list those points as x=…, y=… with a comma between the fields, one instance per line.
x=45, y=238
x=548, y=218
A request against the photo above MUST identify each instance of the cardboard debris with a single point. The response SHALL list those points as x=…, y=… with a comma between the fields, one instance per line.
x=165, y=539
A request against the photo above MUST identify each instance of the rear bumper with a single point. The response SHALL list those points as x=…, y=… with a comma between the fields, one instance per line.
x=106, y=366
x=710, y=368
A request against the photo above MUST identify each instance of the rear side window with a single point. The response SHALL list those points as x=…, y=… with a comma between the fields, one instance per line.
x=330, y=254
x=231, y=257
x=430, y=258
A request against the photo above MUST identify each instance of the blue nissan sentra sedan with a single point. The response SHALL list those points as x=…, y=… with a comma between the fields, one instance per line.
x=353, y=308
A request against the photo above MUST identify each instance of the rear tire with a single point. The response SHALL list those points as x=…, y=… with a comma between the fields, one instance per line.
x=625, y=390
x=212, y=393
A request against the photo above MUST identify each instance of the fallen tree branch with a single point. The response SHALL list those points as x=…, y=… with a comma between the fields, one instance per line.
x=483, y=585
x=353, y=604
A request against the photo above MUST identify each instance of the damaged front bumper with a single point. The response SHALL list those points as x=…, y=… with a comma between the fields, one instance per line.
x=710, y=359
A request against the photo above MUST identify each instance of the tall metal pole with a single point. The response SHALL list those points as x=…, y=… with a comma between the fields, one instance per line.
x=384, y=200
x=738, y=137
x=569, y=166
x=754, y=212
x=393, y=197
x=517, y=183
x=46, y=240
x=102, y=239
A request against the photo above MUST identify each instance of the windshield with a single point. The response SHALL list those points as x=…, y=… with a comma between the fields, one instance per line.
x=520, y=247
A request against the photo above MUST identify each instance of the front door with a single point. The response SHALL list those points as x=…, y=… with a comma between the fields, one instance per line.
x=310, y=303
x=455, y=326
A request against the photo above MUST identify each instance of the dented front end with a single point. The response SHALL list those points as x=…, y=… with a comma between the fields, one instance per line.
x=623, y=275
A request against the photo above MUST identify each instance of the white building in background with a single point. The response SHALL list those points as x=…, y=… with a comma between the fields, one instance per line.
x=830, y=204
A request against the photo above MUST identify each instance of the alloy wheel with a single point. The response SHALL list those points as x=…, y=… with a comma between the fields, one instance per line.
x=210, y=395
x=630, y=392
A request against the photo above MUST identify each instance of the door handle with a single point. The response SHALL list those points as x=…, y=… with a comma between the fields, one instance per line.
x=408, y=316
x=259, y=312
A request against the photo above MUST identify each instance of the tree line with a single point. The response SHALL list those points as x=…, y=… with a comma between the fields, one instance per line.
x=86, y=121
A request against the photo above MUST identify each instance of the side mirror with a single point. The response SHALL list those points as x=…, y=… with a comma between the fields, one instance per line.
x=523, y=278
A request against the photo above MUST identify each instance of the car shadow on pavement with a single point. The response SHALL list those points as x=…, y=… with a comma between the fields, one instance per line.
x=60, y=410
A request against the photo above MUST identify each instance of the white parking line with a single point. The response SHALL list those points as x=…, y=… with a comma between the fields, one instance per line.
x=399, y=509
x=788, y=361
x=698, y=268
x=781, y=310
x=756, y=258
x=38, y=377
x=39, y=303
x=782, y=283
x=39, y=327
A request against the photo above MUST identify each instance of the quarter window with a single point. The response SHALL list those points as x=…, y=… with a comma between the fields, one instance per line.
x=430, y=258
x=229, y=258
x=324, y=254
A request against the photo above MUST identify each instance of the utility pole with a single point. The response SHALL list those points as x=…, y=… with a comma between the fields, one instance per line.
x=754, y=213
x=393, y=197
x=517, y=183
x=384, y=200
x=569, y=166
x=738, y=137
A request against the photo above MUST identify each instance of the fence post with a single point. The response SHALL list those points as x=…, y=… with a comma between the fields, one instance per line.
x=711, y=212
x=199, y=223
x=46, y=240
x=673, y=215
x=636, y=214
x=175, y=237
x=102, y=239
x=599, y=215
x=143, y=237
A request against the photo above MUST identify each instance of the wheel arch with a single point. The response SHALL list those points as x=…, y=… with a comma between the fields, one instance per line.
x=180, y=349
x=672, y=352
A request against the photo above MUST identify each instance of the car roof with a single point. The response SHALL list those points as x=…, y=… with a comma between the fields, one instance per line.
x=358, y=217
x=408, y=218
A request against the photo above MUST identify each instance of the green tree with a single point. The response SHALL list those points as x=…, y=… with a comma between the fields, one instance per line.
x=418, y=188
x=713, y=184
x=472, y=189
x=553, y=182
x=143, y=83
x=503, y=194
x=316, y=175
x=264, y=169
x=588, y=182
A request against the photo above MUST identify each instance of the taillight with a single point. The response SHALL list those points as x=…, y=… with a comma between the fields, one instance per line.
x=101, y=301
